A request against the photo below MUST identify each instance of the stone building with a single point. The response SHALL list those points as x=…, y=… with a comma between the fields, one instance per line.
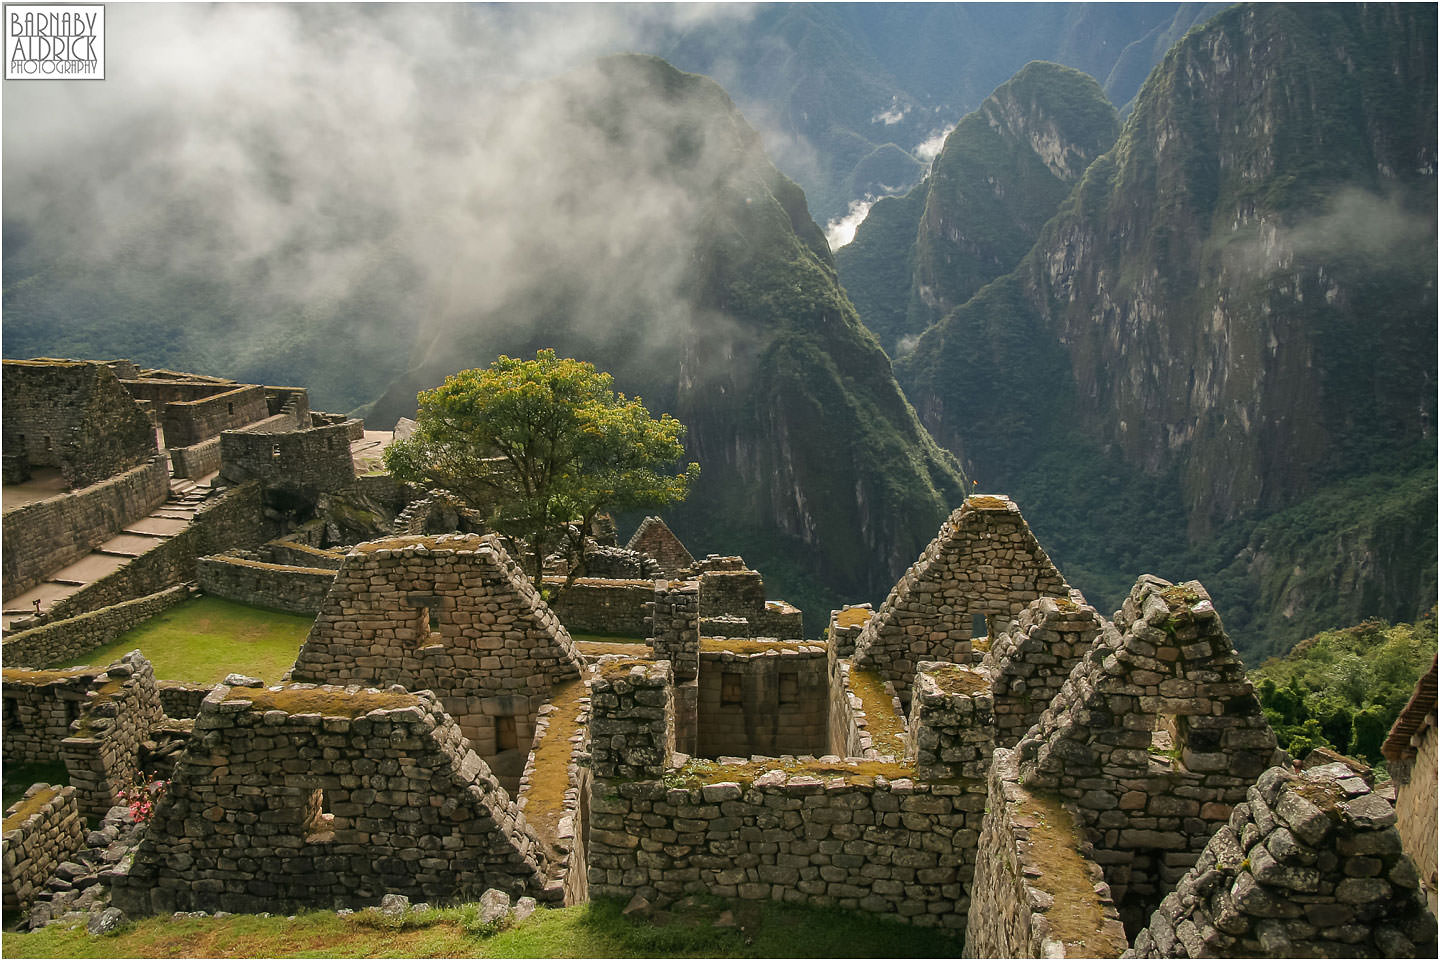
x=450, y=614
x=1410, y=751
x=985, y=752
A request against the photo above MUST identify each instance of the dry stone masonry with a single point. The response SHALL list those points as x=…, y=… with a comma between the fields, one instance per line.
x=41, y=831
x=449, y=614
x=102, y=754
x=322, y=796
x=1154, y=738
x=654, y=538
x=1032, y=659
x=982, y=569
x=1309, y=866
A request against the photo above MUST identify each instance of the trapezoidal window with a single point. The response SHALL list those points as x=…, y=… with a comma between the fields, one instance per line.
x=230, y=408
x=319, y=821
x=978, y=627
x=428, y=608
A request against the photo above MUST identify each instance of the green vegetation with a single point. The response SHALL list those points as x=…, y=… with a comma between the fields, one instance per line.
x=19, y=777
x=1343, y=689
x=205, y=638
x=542, y=446
x=594, y=930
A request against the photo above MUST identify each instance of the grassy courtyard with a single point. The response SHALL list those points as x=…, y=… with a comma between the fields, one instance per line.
x=205, y=638
x=594, y=930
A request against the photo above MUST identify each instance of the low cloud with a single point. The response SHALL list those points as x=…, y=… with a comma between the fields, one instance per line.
x=929, y=148
x=841, y=230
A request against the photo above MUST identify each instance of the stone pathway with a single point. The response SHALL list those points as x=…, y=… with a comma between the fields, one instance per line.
x=186, y=499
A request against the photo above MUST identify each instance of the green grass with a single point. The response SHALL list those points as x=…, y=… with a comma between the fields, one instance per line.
x=594, y=930
x=204, y=639
x=19, y=777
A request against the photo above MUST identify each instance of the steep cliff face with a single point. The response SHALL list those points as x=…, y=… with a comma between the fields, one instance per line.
x=1235, y=307
x=714, y=297
x=1001, y=176
x=1003, y=173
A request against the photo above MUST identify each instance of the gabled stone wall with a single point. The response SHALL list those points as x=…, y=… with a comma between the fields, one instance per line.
x=1031, y=661
x=74, y=415
x=654, y=538
x=449, y=614
x=327, y=797
x=984, y=561
x=1154, y=738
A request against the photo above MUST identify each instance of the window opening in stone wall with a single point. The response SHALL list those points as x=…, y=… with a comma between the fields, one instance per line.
x=12, y=715
x=978, y=627
x=319, y=821
x=506, y=737
x=230, y=408
x=275, y=452
x=73, y=707
x=432, y=617
x=47, y=442
x=730, y=689
x=1165, y=742
x=789, y=687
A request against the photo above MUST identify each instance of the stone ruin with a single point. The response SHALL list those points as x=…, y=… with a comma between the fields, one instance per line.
x=984, y=752
x=449, y=614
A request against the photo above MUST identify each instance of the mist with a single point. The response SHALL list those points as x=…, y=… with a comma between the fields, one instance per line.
x=396, y=177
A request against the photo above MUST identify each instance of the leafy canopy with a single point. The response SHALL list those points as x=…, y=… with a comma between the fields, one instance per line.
x=541, y=446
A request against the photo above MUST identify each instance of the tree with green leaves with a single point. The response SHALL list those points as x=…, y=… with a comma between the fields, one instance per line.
x=540, y=447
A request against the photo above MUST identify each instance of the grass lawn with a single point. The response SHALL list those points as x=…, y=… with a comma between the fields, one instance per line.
x=595, y=930
x=19, y=777
x=205, y=638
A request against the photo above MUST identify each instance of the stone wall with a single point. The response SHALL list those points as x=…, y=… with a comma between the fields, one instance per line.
x=327, y=797
x=233, y=519
x=769, y=702
x=1415, y=808
x=39, y=708
x=181, y=699
x=59, y=641
x=742, y=594
x=675, y=626
x=74, y=415
x=40, y=831
x=554, y=793
x=102, y=753
x=45, y=535
x=845, y=627
x=197, y=460
x=160, y=390
x=1154, y=738
x=311, y=460
x=298, y=590
x=449, y=614
x=620, y=563
x=188, y=422
x=1031, y=660
x=984, y=564
x=299, y=554
x=1310, y=865
x=593, y=605
x=1035, y=894
x=654, y=538
x=844, y=835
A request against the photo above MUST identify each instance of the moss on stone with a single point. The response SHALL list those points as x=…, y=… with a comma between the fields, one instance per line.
x=887, y=729
x=27, y=807
x=1077, y=917
x=550, y=768
x=329, y=702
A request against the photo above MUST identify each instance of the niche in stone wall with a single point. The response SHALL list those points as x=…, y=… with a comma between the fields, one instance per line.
x=12, y=720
